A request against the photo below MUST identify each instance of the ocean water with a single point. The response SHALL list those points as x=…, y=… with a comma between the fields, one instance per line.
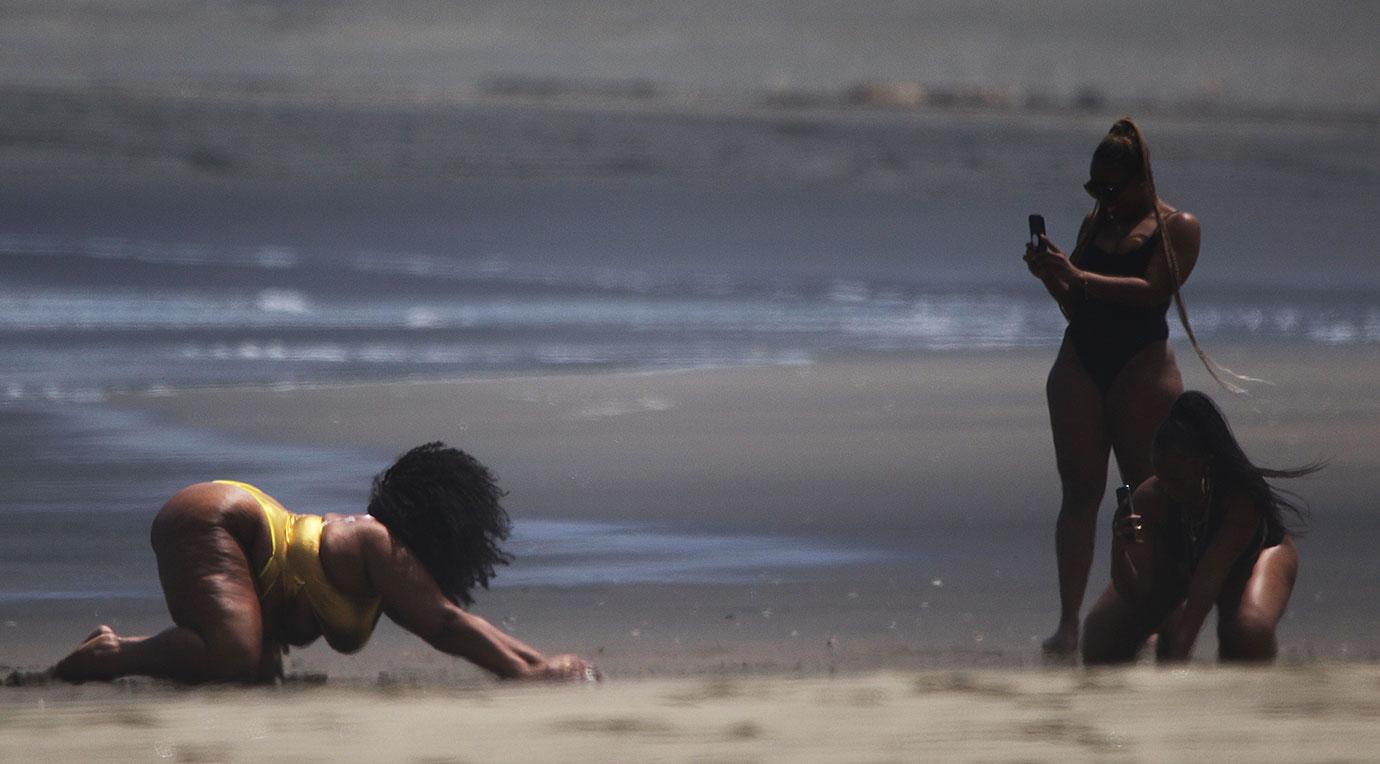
x=732, y=239
x=89, y=318
x=593, y=239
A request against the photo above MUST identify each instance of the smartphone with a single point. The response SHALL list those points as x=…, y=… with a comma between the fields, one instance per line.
x=1037, y=229
x=1123, y=509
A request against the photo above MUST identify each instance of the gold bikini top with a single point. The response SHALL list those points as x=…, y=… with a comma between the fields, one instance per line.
x=295, y=563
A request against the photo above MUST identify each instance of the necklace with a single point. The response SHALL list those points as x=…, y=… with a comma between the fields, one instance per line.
x=1196, y=526
x=1195, y=529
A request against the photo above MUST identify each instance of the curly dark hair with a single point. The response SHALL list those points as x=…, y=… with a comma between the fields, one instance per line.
x=444, y=506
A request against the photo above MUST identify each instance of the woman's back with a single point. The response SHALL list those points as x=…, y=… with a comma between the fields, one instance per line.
x=342, y=605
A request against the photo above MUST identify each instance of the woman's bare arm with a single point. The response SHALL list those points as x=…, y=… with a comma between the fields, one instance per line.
x=1133, y=569
x=413, y=600
x=1155, y=287
x=1057, y=284
x=1238, y=528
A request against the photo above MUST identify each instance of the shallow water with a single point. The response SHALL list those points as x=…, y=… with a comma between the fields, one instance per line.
x=75, y=519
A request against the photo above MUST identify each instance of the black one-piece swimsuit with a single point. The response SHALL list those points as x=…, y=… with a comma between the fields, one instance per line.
x=1107, y=335
x=1187, y=546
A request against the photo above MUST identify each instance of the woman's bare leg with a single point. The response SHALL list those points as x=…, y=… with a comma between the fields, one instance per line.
x=1138, y=401
x=1136, y=404
x=1081, y=448
x=1114, y=632
x=218, y=631
x=1117, y=629
x=1248, y=613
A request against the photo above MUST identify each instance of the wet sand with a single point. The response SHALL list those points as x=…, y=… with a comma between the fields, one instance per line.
x=902, y=440
x=939, y=463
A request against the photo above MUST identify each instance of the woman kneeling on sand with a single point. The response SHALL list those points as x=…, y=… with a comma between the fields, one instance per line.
x=1204, y=530
x=244, y=578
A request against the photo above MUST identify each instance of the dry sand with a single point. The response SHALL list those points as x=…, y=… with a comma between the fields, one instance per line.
x=1316, y=713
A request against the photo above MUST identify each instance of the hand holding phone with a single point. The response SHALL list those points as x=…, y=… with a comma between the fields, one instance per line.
x=1126, y=522
x=1037, y=231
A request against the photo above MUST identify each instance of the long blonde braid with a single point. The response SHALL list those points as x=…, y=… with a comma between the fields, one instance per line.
x=1126, y=129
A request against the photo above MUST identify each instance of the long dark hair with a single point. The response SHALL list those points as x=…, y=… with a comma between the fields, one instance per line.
x=1124, y=148
x=1196, y=427
x=443, y=505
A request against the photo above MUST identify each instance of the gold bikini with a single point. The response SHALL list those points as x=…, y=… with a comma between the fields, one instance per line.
x=295, y=564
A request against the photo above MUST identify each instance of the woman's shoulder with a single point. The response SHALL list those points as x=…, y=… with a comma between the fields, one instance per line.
x=1183, y=234
x=348, y=543
x=357, y=536
x=1241, y=504
x=1178, y=222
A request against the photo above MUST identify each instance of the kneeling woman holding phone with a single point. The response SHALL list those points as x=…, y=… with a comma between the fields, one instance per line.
x=1204, y=530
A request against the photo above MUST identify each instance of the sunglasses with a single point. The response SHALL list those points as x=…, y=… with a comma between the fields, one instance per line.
x=1103, y=192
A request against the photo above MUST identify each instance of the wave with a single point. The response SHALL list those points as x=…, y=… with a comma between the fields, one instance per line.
x=855, y=310
x=267, y=256
x=200, y=316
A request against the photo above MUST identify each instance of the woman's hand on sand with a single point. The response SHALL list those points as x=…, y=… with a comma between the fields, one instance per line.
x=93, y=659
x=1175, y=645
x=566, y=668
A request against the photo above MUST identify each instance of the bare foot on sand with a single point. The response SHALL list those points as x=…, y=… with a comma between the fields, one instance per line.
x=1062, y=647
x=92, y=660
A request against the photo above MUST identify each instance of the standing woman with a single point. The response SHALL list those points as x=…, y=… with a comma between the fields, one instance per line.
x=1115, y=377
